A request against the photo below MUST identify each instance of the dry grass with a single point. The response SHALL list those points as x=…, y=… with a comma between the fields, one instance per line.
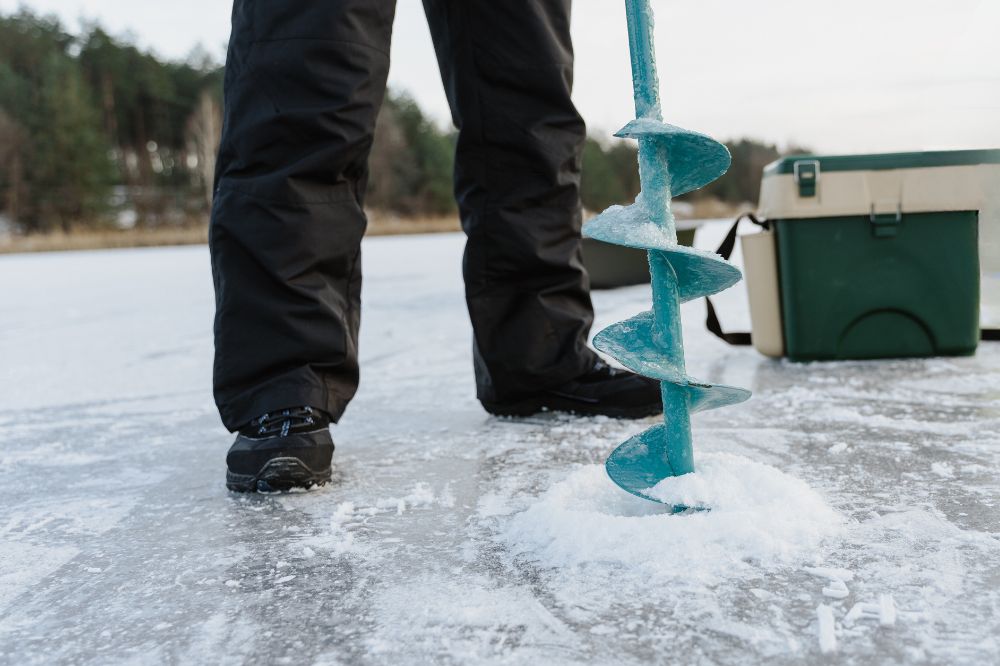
x=379, y=224
x=59, y=241
x=89, y=239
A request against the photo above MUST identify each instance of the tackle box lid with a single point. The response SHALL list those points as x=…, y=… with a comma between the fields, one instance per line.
x=811, y=186
x=879, y=161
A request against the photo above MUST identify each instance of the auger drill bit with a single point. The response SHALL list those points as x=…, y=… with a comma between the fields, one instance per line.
x=672, y=161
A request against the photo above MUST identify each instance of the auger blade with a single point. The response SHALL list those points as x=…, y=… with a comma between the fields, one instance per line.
x=700, y=273
x=695, y=159
x=631, y=343
x=642, y=462
x=631, y=226
x=703, y=397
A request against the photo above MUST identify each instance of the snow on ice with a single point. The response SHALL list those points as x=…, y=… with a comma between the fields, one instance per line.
x=761, y=519
x=856, y=503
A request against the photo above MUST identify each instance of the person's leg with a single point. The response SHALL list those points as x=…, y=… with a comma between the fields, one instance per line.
x=304, y=82
x=508, y=70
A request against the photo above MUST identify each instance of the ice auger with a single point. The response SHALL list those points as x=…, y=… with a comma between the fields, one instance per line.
x=672, y=161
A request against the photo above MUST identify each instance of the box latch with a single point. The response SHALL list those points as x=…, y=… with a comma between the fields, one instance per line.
x=885, y=225
x=806, y=176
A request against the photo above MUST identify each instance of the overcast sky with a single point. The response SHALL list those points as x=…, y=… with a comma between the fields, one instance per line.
x=837, y=75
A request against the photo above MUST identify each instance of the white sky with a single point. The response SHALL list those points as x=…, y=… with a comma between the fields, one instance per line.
x=837, y=75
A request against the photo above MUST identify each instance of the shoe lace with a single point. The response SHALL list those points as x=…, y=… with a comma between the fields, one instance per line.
x=602, y=367
x=284, y=421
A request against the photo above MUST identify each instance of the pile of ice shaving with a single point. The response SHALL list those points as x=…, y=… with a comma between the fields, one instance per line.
x=761, y=518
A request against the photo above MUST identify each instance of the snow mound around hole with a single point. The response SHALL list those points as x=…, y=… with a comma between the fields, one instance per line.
x=761, y=518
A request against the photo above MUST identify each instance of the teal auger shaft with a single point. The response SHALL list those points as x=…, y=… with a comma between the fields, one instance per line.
x=672, y=161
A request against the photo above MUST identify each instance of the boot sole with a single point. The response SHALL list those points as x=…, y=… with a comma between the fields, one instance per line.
x=532, y=406
x=278, y=475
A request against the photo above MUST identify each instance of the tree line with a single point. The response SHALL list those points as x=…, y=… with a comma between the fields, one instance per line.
x=89, y=120
x=94, y=131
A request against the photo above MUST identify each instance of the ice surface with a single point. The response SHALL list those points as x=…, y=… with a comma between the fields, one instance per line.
x=120, y=544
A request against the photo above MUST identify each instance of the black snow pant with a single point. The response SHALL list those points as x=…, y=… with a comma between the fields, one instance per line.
x=304, y=82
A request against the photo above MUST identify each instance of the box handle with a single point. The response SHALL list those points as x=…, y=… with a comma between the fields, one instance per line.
x=806, y=174
x=886, y=225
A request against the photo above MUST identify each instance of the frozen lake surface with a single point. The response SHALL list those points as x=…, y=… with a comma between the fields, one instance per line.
x=449, y=536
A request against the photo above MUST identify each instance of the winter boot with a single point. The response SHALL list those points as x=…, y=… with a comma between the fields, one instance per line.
x=603, y=391
x=289, y=448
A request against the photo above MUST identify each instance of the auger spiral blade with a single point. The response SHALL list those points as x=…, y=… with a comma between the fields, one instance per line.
x=696, y=159
x=672, y=161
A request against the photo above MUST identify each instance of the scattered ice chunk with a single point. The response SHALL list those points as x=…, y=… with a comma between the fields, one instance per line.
x=854, y=614
x=826, y=628
x=447, y=497
x=343, y=511
x=944, y=470
x=831, y=573
x=338, y=541
x=421, y=495
x=840, y=447
x=837, y=589
x=861, y=610
x=886, y=610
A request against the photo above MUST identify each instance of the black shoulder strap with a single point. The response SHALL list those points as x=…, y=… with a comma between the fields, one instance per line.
x=712, y=323
x=726, y=250
x=742, y=339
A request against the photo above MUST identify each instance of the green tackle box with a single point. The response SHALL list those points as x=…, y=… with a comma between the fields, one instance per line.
x=872, y=256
